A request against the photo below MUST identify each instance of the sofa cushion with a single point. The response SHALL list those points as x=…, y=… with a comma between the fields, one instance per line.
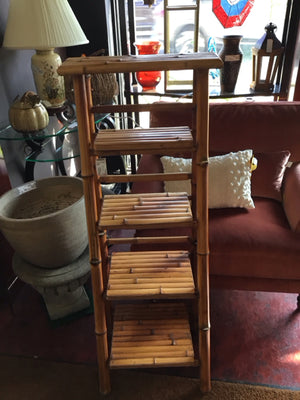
x=291, y=196
x=229, y=178
x=259, y=126
x=149, y=164
x=255, y=243
x=237, y=126
x=267, y=178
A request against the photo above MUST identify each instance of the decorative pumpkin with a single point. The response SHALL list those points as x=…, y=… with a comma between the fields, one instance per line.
x=28, y=114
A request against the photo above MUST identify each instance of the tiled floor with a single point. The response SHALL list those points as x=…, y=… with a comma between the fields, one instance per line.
x=255, y=337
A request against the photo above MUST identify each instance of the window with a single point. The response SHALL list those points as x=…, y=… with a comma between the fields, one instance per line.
x=175, y=24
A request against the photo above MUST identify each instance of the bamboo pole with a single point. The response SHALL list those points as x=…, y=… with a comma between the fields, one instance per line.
x=85, y=138
x=99, y=199
x=142, y=107
x=201, y=173
x=172, y=176
x=97, y=186
x=149, y=240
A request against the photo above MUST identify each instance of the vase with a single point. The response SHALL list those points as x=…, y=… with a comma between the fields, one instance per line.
x=232, y=56
x=148, y=79
x=49, y=84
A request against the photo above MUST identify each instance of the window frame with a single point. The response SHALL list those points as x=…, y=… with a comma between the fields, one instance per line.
x=289, y=41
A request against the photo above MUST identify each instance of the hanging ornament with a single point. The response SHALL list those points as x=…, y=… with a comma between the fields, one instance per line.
x=232, y=12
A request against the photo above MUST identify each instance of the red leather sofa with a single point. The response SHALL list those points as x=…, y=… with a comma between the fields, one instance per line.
x=6, y=272
x=250, y=249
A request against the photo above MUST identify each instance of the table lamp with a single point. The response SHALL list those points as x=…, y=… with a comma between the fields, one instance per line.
x=44, y=25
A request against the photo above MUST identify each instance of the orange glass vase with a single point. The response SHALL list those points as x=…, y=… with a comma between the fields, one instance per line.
x=148, y=79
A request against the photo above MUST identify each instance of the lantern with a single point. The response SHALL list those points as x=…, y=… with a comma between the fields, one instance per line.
x=266, y=55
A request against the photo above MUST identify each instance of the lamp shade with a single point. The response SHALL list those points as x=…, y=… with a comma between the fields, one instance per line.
x=42, y=24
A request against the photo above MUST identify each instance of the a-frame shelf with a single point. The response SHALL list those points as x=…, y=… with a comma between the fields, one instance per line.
x=155, y=297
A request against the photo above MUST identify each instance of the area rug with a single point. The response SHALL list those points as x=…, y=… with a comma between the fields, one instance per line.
x=34, y=379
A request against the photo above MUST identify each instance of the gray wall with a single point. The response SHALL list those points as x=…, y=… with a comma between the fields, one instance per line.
x=15, y=70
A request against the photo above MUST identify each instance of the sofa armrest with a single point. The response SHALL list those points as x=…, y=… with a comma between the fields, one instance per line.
x=4, y=179
x=291, y=196
x=149, y=164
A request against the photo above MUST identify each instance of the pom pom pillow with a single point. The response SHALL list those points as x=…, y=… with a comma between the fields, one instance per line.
x=229, y=178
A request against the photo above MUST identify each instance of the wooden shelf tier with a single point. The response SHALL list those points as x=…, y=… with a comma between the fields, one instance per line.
x=151, y=335
x=147, y=210
x=150, y=275
x=141, y=141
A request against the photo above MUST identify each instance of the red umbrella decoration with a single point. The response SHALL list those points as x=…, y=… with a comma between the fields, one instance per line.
x=232, y=12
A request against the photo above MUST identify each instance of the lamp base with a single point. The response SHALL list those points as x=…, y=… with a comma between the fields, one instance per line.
x=49, y=84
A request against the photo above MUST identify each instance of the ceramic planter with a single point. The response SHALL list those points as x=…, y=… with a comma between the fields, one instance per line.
x=44, y=220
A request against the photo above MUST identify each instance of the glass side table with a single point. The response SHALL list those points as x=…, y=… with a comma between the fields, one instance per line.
x=55, y=150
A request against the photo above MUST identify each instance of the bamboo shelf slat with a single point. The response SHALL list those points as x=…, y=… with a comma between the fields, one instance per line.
x=153, y=210
x=151, y=335
x=142, y=141
x=150, y=275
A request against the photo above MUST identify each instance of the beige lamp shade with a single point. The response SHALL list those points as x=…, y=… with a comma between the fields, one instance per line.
x=44, y=25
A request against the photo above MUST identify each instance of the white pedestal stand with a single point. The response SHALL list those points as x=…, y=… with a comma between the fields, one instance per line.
x=61, y=288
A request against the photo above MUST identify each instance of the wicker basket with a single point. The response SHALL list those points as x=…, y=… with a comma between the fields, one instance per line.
x=104, y=88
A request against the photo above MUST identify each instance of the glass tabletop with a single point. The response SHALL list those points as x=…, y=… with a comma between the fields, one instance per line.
x=56, y=148
x=61, y=146
x=9, y=133
x=54, y=128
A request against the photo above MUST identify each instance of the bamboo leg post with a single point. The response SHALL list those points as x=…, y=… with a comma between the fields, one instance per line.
x=82, y=96
x=201, y=171
x=96, y=185
x=204, y=326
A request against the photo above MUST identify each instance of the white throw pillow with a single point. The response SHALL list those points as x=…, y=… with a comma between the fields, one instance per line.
x=229, y=179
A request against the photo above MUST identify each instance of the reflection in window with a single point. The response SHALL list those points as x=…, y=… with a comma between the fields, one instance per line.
x=174, y=23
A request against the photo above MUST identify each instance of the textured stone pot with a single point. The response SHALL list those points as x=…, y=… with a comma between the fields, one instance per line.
x=44, y=221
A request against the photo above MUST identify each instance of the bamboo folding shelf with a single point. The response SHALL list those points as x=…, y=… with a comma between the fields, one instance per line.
x=151, y=307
